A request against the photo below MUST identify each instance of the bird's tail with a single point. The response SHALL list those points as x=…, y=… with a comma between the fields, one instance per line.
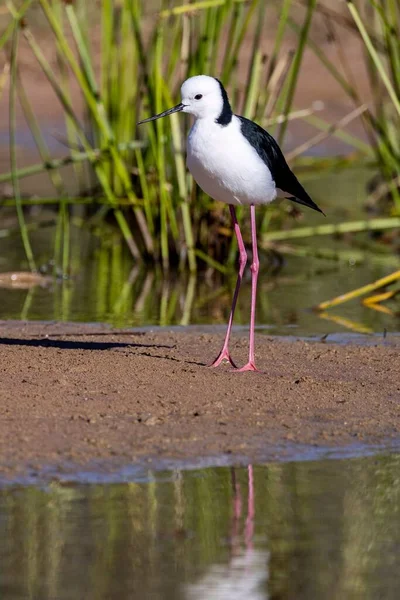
x=296, y=192
x=306, y=201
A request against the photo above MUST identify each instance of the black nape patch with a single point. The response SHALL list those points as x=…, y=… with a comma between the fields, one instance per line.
x=226, y=114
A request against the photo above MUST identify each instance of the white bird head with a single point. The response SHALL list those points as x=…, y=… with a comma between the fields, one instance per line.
x=203, y=97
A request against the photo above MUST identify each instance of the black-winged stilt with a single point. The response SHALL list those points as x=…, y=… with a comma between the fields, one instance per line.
x=237, y=162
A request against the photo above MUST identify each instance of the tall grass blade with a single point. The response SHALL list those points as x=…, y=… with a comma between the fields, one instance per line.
x=17, y=15
x=374, y=55
x=13, y=147
x=334, y=228
x=4, y=78
x=295, y=68
x=86, y=80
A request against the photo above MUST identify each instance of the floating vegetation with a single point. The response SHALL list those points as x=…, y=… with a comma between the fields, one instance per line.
x=23, y=280
x=371, y=301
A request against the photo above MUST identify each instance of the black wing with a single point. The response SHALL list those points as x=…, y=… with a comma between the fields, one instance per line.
x=271, y=154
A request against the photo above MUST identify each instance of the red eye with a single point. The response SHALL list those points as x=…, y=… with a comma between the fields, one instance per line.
x=198, y=96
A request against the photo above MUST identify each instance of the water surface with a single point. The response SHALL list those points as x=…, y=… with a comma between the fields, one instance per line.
x=326, y=529
x=106, y=287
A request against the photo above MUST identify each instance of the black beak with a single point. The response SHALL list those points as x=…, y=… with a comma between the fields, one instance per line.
x=175, y=109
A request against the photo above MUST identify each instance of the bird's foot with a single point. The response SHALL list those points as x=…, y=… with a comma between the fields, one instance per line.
x=250, y=366
x=223, y=355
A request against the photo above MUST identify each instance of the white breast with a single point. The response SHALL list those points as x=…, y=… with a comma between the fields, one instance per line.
x=226, y=166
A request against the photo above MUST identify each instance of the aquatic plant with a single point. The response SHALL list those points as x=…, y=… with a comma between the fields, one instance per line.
x=376, y=25
x=143, y=56
x=143, y=59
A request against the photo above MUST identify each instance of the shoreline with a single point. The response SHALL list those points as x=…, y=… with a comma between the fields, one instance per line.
x=79, y=395
x=108, y=471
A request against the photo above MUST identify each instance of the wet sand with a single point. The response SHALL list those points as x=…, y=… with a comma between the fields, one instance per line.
x=78, y=394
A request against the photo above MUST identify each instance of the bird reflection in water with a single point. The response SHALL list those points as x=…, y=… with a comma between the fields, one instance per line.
x=245, y=576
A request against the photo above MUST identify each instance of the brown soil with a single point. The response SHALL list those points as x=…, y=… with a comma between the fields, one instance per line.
x=76, y=394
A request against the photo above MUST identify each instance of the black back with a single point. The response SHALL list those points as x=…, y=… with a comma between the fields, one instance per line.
x=269, y=151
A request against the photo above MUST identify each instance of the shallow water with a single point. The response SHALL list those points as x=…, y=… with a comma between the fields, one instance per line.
x=326, y=529
x=106, y=288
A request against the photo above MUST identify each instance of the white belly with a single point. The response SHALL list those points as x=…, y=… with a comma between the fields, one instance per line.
x=226, y=166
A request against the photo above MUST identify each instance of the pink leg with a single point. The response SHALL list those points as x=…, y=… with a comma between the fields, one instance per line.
x=224, y=354
x=237, y=511
x=250, y=366
x=249, y=527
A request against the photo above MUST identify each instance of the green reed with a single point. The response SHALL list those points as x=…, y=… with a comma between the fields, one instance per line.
x=376, y=25
x=145, y=53
x=13, y=148
x=144, y=56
